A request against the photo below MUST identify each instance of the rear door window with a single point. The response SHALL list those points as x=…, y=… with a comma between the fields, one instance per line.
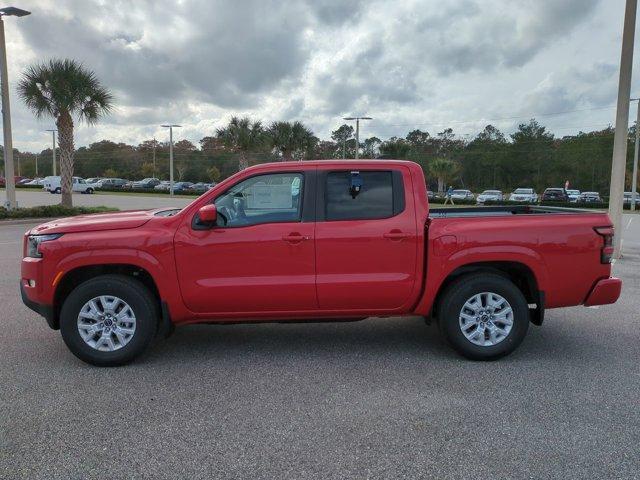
x=374, y=196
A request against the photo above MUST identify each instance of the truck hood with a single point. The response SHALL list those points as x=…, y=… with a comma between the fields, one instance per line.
x=96, y=222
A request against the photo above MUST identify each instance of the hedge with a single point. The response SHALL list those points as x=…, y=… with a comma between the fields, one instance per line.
x=57, y=211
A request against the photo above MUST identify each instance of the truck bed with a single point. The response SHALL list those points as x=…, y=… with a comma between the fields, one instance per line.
x=501, y=211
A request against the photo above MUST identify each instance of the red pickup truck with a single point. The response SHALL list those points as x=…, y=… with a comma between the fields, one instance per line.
x=308, y=241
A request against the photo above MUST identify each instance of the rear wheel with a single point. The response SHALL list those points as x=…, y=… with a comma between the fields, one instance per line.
x=483, y=316
x=109, y=320
x=57, y=190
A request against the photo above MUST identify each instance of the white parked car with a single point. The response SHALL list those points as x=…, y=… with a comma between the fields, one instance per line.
x=163, y=185
x=52, y=185
x=492, y=195
x=524, y=195
x=590, y=197
x=462, y=195
x=573, y=195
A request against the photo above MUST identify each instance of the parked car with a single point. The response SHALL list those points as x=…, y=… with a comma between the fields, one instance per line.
x=524, y=195
x=23, y=181
x=163, y=185
x=109, y=282
x=590, y=197
x=555, y=195
x=146, y=183
x=52, y=185
x=93, y=179
x=628, y=198
x=573, y=195
x=462, y=195
x=107, y=183
x=201, y=187
x=492, y=195
x=181, y=186
x=36, y=181
x=3, y=182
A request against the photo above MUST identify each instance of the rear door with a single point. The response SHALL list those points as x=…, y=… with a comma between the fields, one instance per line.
x=366, y=239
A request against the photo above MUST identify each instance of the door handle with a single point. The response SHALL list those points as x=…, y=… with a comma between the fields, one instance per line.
x=395, y=235
x=294, y=238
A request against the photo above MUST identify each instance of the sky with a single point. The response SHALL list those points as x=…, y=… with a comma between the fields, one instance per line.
x=427, y=64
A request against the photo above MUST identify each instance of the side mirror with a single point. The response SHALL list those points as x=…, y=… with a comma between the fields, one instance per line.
x=208, y=214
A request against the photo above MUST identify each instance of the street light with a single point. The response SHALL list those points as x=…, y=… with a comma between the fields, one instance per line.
x=53, y=134
x=170, y=127
x=6, y=109
x=357, y=119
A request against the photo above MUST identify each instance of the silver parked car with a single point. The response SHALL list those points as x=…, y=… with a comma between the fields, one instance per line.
x=462, y=195
x=528, y=195
x=590, y=197
x=491, y=195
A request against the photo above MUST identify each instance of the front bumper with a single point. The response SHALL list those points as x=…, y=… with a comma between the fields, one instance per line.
x=604, y=292
x=45, y=310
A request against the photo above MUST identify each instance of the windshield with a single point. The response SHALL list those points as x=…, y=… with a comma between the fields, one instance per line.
x=491, y=192
x=461, y=192
x=524, y=191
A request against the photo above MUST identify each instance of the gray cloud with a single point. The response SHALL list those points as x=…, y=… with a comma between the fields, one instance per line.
x=200, y=61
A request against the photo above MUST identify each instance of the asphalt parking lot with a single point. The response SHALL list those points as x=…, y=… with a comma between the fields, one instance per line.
x=381, y=398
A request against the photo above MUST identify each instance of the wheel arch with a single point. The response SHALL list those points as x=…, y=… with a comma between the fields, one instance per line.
x=80, y=274
x=517, y=272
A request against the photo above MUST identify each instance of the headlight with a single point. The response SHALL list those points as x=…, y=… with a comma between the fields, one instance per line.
x=34, y=241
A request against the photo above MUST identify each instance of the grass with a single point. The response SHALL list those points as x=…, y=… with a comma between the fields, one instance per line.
x=51, y=211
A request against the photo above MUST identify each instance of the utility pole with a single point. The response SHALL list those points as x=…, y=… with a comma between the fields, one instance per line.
x=170, y=127
x=357, y=119
x=619, y=160
x=36, y=164
x=53, y=134
x=10, y=183
x=634, y=179
x=154, y=156
x=18, y=162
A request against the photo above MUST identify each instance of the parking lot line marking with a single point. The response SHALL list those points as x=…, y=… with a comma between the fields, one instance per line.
x=629, y=223
x=9, y=243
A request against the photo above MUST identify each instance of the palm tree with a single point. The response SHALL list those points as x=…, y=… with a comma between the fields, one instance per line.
x=63, y=89
x=242, y=135
x=290, y=139
x=444, y=170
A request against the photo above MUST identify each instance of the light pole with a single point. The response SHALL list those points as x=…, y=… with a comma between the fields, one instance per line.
x=357, y=119
x=6, y=109
x=170, y=127
x=634, y=179
x=53, y=134
x=619, y=160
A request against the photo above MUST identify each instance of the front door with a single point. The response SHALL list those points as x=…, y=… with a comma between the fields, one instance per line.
x=261, y=255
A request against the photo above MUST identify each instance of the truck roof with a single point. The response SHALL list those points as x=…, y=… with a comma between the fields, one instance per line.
x=335, y=162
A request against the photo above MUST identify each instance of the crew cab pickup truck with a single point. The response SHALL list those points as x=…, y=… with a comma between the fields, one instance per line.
x=308, y=241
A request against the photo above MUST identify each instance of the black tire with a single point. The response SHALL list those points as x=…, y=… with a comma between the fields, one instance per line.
x=141, y=301
x=57, y=190
x=463, y=289
x=89, y=191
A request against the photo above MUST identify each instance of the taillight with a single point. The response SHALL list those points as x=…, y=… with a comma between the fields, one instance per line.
x=606, y=252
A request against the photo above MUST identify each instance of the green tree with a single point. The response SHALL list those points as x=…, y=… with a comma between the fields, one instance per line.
x=214, y=173
x=110, y=173
x=243, y=136
x=63, y=89
x=290, y=139
x=444, y=170
x=371, y=147
x=342, y=136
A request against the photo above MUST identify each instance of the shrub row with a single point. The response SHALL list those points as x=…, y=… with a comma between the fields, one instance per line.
x=45, y=211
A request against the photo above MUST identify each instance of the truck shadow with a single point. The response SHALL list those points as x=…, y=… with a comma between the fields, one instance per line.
x=373, y=339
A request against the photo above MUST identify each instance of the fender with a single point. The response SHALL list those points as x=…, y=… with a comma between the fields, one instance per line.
x=440, y=268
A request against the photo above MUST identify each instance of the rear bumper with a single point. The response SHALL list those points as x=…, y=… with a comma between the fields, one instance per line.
x=604, y=292
x=45, y=310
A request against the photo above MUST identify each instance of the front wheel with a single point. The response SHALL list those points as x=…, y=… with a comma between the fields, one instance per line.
x=483, y=316
x=109, y=320
x=57, y=190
